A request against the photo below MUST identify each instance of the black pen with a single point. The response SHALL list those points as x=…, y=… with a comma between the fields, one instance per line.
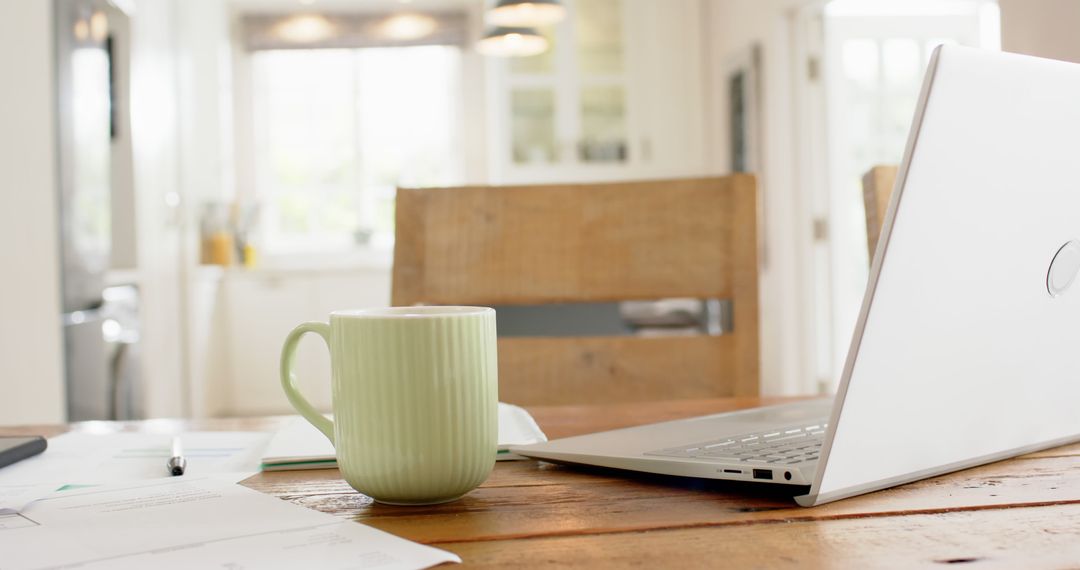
x=177, y=463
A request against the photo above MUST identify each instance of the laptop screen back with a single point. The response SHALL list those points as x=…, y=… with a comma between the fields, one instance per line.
x=961, y=355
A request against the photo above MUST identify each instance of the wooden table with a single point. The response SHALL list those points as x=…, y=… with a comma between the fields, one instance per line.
x=1021, y=513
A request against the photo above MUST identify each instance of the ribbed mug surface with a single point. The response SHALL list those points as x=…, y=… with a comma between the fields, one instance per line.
x=415, y=396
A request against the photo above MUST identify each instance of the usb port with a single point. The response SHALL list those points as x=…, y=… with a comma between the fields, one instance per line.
x=762, y=473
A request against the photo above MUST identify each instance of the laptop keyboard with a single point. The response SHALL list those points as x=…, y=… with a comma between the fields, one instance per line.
x=794, y=444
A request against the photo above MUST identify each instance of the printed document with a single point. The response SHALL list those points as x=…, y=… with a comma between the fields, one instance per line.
x=194, y=522
x=13, y=498
x=79, y=458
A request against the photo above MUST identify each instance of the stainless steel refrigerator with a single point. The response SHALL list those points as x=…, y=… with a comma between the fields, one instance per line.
x=100, y=322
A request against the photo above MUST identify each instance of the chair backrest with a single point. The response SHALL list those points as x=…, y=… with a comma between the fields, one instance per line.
x=535, y=245
x=877, y=186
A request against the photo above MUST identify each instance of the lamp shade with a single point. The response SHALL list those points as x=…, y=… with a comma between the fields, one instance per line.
x=525, y=13
x=511, y=42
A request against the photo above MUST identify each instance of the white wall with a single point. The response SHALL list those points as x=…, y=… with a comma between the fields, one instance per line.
x=155, y=155
x=208, y=173
x=731, y=27
x=474, y=102
x=1046, y=28
x=31, y=353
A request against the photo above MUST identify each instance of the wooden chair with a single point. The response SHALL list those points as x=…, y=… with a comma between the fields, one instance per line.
x=535, y=245
x=877, y=188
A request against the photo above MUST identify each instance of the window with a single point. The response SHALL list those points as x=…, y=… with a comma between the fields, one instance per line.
x=338, y=130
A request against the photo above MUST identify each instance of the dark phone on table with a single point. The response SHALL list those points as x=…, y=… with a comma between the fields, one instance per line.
x=14, y=449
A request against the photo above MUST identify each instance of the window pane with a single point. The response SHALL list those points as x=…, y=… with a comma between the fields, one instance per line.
x=338, y=130
x=603, y=122
x=860, y=63
x=307, y=142
x=407, y=129
x=902, y=65
x=532, y=119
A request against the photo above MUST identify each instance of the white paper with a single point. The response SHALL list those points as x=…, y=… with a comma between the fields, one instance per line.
x=516, y=427
x=302, y=443
x=82, y=459
x=299, y=445
x=194, y=522
x=13, y=498
x=86, y=459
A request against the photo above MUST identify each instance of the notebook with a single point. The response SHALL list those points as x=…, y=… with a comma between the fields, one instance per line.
x=298, y=445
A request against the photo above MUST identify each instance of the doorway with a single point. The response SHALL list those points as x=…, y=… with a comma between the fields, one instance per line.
x=865, y=66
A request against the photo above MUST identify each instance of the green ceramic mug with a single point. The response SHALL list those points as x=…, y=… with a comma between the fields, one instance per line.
x=415, y=398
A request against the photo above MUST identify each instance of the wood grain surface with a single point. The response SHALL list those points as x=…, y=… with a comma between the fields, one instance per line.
x=586, y=243
x=1020, y=513
x=567, y=243
x=571, y=370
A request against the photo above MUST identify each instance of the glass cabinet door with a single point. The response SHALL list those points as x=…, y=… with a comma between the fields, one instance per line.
x=532, y=125
x=602, y=92
x=603, y=124
x=566, y=108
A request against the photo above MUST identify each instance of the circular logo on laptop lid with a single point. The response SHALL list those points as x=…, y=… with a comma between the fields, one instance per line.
x=1063, y=268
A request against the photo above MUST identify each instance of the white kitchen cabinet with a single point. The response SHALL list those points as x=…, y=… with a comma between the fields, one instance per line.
x=617, y=96
x=207, y=344
x=667, y=84
x=244, y=317
x=260, y=311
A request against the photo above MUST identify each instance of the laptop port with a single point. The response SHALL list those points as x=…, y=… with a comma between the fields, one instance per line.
x=732, y=470
x=762, y=473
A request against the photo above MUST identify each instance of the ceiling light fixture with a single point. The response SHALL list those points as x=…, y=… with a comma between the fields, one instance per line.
x=81, y=30
x=99, y=26
x=511, y=42
x=406, y=27
x=526, y=13
x=305, y=29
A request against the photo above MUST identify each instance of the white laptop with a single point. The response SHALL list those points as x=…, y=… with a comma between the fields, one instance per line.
x=967, y=348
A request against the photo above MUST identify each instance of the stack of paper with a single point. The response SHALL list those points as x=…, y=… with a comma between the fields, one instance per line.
x=299, y=445
x=100, y=501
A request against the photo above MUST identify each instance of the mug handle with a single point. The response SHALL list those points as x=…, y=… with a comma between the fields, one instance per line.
x=288, y=378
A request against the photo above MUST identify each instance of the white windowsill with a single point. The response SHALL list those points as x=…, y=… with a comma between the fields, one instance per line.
x=345, y=260
x=365, y=260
